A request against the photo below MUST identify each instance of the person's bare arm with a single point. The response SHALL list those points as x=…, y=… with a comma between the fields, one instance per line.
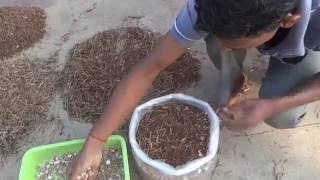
x=133, y=88
x=249, y=113
x=125, y=97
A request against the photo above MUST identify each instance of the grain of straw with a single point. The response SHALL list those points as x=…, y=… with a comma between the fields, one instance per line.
x=98, y=64
x=20, y=28
x=26, y=88
x=174, y=133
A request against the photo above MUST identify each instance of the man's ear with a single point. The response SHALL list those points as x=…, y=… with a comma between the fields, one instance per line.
x=290, y=20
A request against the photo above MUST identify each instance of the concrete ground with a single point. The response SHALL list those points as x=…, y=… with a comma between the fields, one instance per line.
x=261, y=153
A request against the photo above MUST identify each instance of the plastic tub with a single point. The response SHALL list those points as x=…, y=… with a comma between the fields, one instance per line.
x=37, y=155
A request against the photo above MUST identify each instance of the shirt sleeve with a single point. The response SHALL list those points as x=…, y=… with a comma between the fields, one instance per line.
x=183, y=30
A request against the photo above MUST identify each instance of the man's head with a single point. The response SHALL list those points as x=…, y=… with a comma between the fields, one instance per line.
x=245, y=23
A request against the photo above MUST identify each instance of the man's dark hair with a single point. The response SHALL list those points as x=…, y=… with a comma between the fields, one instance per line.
x=230, y=19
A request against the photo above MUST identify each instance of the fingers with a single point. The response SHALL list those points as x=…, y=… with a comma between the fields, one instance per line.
x=86, y=164
x=82, y=172
x=225, y=115
x=229, y=119
x=89, y=174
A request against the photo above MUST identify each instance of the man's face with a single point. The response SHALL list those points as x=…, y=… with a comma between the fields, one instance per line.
x=246, y=42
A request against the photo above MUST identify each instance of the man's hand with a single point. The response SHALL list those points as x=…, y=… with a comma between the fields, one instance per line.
x=86, y=164
x=246, y=114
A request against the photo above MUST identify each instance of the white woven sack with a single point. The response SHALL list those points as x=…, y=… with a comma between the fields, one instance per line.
x=161, y=169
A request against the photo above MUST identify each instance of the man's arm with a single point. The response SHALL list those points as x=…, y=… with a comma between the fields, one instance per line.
x=249, y=113
x=125, y=97
x=132, y=89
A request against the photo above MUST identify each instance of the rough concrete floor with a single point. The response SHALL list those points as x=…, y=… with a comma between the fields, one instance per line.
x=261, y=153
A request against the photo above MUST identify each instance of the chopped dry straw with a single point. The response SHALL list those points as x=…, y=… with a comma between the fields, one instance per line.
x=25, y=90
x=174, y=133
x=20, y=28
x=98, y=64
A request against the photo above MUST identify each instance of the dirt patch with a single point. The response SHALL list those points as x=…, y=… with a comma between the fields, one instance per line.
x=249, y=90
x=26, y=88
x=174, y=133
x=98, y=64
x=20, y=28
x=111, y=167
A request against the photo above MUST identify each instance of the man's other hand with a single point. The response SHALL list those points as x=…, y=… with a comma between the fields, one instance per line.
x=246, y=114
